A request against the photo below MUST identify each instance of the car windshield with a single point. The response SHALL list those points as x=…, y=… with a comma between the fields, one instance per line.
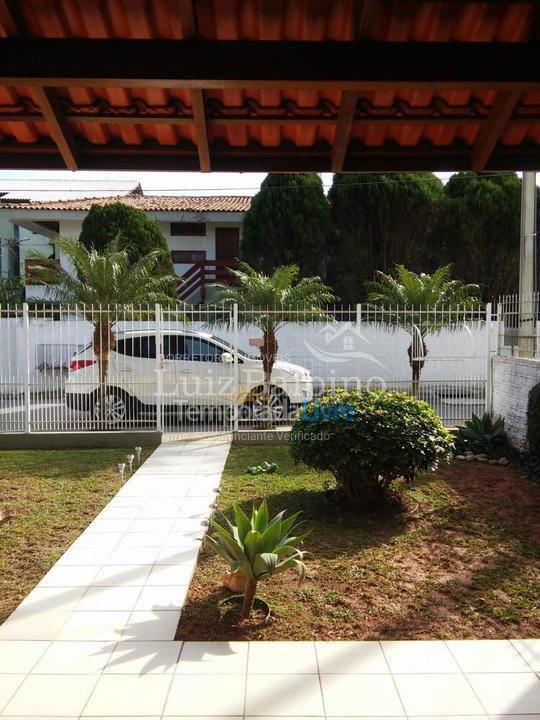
x=228, y=345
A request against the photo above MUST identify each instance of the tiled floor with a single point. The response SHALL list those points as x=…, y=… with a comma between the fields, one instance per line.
x=94, y=639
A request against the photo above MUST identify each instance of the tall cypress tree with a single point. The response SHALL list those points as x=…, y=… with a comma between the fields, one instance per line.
x=478, y=230
x=289, y=223
x=381, y=220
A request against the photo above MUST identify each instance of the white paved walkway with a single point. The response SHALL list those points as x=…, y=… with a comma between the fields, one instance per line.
x=95, y=637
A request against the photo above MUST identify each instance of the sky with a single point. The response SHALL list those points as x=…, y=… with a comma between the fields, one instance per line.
x=169, y=183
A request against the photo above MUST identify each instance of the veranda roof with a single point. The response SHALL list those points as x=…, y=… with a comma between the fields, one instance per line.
x=375, y=85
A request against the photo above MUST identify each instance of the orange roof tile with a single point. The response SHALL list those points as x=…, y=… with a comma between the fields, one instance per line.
x=155, y=203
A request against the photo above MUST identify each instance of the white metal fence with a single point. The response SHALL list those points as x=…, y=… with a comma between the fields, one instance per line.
x=200, y=370
x=519, y=326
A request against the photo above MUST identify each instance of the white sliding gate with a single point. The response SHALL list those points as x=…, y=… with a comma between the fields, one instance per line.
x=190, y=370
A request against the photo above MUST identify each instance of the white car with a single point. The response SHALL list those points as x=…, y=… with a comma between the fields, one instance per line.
x=195, y=370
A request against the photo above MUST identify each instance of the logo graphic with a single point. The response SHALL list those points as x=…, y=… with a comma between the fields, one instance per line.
x=342, y=338
x=319, y=413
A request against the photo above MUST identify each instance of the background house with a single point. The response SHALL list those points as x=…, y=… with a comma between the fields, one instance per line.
x=18, y=241
x=203, y=233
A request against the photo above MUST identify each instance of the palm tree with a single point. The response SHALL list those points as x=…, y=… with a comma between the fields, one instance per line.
x=100, y=283
x=269, y=302
x=422, y=305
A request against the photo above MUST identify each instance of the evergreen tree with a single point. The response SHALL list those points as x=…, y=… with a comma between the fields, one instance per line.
x=478, y=230
x=289, y=223
x=381, y=221
x=137, y=233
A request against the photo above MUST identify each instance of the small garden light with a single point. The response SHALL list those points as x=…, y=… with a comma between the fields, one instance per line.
x=121, y=470
x=138, y=451
x=130, y=459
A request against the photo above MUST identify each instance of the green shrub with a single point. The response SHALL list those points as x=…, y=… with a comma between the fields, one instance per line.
x=533, y=420
x=482, y=435
x=369, y=439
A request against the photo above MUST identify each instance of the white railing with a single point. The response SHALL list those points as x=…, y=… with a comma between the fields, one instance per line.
x=519, y=326
x=199, y=369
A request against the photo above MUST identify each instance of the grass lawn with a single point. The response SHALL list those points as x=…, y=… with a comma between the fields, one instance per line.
x=53, y=495
x=462, y=561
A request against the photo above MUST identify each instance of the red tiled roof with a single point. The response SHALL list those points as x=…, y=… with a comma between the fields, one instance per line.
x=156, y=203
x=254, y=127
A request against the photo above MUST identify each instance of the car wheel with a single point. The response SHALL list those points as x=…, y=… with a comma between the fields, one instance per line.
x=276, y=409
x=117, y=407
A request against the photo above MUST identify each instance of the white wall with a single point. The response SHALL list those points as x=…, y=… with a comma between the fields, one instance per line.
x=513, y=379
x=332, y=353
x=350, y=350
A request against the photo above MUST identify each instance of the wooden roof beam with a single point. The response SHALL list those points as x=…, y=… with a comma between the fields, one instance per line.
x=58, y=126
x=379, y=159
x=343, y=129
x=13, y=24
x=201, y=130
x=10, y=18
x=364, y=10
x=492, y=129
x=188, y=18
x=196, y=63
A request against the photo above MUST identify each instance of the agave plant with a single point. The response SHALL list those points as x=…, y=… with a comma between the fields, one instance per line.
x=481, y=434
x=259, y=547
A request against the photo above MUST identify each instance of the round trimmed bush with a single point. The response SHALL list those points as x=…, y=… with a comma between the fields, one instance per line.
x=368, y=439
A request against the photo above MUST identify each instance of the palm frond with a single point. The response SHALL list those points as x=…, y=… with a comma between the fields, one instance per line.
x=411, y=300
x=269, y=301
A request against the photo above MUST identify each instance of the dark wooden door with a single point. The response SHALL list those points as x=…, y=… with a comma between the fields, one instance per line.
x=227, y=243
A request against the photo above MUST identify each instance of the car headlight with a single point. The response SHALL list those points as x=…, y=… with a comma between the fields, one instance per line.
x=301, y=374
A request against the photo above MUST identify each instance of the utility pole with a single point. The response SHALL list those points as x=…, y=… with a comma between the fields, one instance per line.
x=527, y=267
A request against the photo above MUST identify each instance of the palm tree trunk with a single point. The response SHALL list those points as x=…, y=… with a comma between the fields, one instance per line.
x=249, y=598
x=416, y=366
x=268, y=352
x=103, y=341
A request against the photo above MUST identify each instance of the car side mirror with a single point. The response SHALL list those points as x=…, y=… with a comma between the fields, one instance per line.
x=226, y=357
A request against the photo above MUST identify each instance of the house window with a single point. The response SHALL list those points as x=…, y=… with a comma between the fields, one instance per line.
x=188, y=256
x=188, y=228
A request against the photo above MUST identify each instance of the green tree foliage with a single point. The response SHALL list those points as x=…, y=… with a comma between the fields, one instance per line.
x=137, y=232
x=289, y=223
x=478, y=230
x=381, y=220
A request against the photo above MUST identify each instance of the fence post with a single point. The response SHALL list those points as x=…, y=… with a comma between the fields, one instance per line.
x=236, y=383
x=500, y=329
x=358, y=314
x=488, y=358
x=159, y=374
x=26, y=337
